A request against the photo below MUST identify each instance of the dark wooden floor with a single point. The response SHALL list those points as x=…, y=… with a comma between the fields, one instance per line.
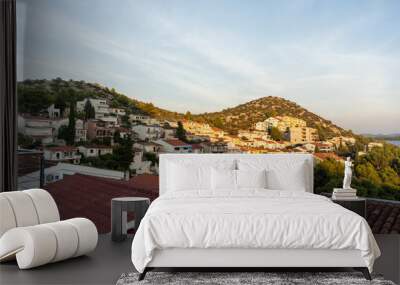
x=103, y=266
x=106, y=264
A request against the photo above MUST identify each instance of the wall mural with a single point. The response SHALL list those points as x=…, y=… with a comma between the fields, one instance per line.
x=106, y=86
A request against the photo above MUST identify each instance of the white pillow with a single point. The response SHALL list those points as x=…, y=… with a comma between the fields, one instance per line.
x=194, y=174
x=291, y=178
x=184, y=178
x=251, y=178
x=223, y=179
x=282, y=174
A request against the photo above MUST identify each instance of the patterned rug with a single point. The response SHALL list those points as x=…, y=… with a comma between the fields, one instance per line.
x=231, y=278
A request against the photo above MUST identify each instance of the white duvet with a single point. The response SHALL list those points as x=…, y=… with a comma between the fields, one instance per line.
x=250, y=219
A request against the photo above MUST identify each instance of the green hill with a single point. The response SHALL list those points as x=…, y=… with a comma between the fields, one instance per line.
x=244, y=116
x=36, y=95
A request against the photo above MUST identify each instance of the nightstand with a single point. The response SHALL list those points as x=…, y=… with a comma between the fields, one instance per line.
x=357, y=205
x=119, y=216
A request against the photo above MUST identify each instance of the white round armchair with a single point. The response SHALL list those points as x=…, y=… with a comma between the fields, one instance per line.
x=31, y=231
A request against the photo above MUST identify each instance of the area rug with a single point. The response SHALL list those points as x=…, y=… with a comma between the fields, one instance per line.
x=229, y=278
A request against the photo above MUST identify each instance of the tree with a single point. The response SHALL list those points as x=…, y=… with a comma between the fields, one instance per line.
x=327, y=175
x=322, y=135
x=32, y=99
x=70, y=138
x=117, y=136
x=60, y=103
x=188, y=116
x=271, y=113
x=218, y=122
x=181, y=132
x=25, y=141
x=367, y=170
x=150, y=156
x=89, y=110
x=123, y=153
x=276, y=134
x=125, y=122
x=63, y=133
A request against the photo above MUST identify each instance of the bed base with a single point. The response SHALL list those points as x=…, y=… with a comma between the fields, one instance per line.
x=250, y=259
x=363, y=270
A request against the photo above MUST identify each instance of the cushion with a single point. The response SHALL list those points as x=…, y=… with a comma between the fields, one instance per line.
x=251, y=178
x=282, y=174
x=183, y=178
x=193, y=174
x=292, y=179
x=223, y=179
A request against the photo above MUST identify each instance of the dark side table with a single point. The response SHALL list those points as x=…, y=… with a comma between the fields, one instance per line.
x=357, y=205
x=119, y=214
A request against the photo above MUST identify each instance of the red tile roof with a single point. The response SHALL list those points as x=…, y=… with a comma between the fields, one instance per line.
x=175, y=142
x=61, y=148
x=97, y=146
x=383, y=216
x=90, y=197
x=147, y=182
x=197, y=146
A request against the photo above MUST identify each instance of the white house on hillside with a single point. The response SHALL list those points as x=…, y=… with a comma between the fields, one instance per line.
x=54, y=113
x=117, y=111
x=38, y=128
x=174, y=146
x=62, y=153
x=138, y=165
x=95, y=150
x=101, y=107
x=148, y=132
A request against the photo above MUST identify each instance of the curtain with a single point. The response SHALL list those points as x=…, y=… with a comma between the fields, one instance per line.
x=8, y=98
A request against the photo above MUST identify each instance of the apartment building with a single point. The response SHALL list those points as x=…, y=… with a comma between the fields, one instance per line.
x=301, y=135
x=215, y=147
x=143, y=119
x=280, y=122
x=117, y=111
x=38, y=128
x=80, y=131
x=97, y=129
x=251, y=135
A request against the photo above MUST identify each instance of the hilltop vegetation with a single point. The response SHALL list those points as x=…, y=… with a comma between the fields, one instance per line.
x=36, y=95
x=244, y=116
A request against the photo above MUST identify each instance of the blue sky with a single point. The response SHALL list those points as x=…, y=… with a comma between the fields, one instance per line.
x=339, y=59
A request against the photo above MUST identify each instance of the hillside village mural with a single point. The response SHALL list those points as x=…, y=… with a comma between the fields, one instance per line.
x=87, y=129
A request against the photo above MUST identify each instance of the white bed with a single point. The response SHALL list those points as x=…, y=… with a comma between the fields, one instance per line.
x=216, y=224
